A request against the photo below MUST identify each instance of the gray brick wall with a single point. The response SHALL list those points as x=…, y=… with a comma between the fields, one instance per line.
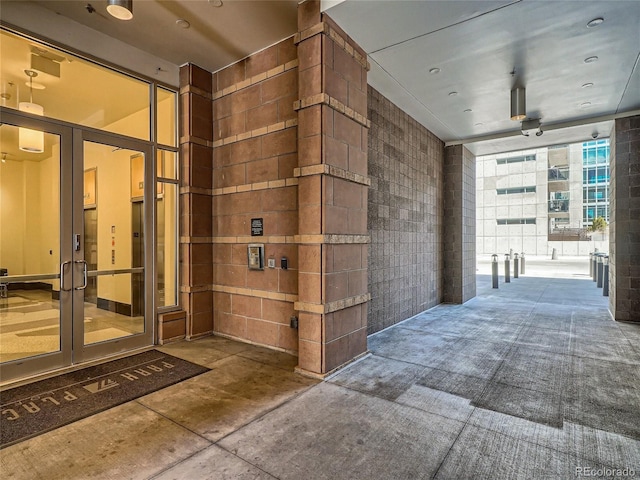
x=459, y=225
x=404, y=216
x=624, y=226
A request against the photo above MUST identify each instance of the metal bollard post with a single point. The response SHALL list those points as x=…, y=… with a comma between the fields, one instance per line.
x=600, y=271
x=554, y=254
x=594, y=271
x=494, y=270
x=507, y=278
x=591, y=264
x=605, y=280
x=511, y=254
x=515, y=266
x=522, y=263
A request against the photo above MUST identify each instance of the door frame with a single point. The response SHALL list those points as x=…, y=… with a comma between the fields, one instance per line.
x=81, y=352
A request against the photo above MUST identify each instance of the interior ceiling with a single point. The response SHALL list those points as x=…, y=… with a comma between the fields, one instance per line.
x=481, y=48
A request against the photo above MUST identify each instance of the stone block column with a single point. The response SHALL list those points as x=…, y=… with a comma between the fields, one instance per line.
x=459, y=225
x=196, y=148
x=332, y=193
x=624, y=226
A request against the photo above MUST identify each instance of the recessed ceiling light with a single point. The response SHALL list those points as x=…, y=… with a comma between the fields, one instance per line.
x=453, y=94
x=591, y=59
x=595, y=22
x=587, y=85
x=585, y=104
x=468, y=110
x=434, y=70
x=182, y=23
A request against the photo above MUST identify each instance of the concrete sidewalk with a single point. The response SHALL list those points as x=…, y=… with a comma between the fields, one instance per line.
x=533, y=380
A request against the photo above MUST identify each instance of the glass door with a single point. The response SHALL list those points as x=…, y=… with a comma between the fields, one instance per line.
x=113, y=246
x=35, y=247
x=75, y=246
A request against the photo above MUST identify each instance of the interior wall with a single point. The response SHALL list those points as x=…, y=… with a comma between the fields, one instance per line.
x=29, y=215
x=405, y=215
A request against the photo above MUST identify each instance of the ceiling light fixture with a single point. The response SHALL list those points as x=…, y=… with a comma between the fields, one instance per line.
x=595, y=22
x=434, y=70
x=585, y=104
x=216, y=3
x=120, y=9
x=591, y=59
x=182, y=23
x=453, y=94
x=587, y=85
x=31, y=140
x=518, y=104
x=468, y=110
x=531, y=126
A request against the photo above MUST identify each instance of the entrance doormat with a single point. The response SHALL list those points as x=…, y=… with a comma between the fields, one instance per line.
x=39, y=407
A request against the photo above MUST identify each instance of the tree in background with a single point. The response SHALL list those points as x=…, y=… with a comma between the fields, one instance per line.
x=598, y=225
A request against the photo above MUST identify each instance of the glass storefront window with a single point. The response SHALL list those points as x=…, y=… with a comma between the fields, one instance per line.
x=166, y=116
x=102, y=98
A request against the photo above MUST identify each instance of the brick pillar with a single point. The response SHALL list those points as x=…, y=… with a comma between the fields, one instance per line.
x=196, y=140
x=624, y=225
x=332, y=193
x=459, y=225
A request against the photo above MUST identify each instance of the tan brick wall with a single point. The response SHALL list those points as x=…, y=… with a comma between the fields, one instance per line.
x=332, y=193
x=196, y=221
x=255, y=154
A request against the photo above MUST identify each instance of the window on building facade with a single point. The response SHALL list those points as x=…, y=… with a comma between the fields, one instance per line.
x=516, y=221
x=508, y=191
x=595, y=180
x=517, y=159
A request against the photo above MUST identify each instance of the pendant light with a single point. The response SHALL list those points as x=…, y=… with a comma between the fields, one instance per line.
x=121, y=9
x=31, y=140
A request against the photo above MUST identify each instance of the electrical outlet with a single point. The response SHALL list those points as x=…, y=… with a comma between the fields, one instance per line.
x=271, y=263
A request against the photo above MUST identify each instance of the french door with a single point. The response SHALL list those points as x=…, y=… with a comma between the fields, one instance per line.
x=76, y=249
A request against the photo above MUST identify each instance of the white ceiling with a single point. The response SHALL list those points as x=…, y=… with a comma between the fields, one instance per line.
x=475, y=44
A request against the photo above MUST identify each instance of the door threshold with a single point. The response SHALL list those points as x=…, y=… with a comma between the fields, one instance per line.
x=71, y=368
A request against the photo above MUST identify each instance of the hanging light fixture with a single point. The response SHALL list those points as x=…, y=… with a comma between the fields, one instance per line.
x=31, y=140
x=121, y=9
x=518, y=104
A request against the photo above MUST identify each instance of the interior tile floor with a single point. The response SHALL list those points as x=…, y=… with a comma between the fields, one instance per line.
x=30, y=324
x=529, y=381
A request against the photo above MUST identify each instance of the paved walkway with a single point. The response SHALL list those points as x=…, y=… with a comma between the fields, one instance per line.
x=530, y=381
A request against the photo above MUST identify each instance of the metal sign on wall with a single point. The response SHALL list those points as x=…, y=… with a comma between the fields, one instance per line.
x=257, y=227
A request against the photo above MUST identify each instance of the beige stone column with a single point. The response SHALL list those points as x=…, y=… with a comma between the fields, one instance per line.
x=624, y=226
x=459, y=223
x=332, y=193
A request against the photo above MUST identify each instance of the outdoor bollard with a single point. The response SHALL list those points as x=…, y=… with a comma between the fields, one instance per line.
x=515, y=266
x=591, y=264
x=554, y=254
x=605, y=280
x=600, y=271
x=594, y=273
x=494, y=270
x=511, y=254
x=522, y=263
x=507, y=277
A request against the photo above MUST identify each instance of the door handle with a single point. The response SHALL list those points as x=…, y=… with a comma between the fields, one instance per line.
x=84, y=285
x=62, y=265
